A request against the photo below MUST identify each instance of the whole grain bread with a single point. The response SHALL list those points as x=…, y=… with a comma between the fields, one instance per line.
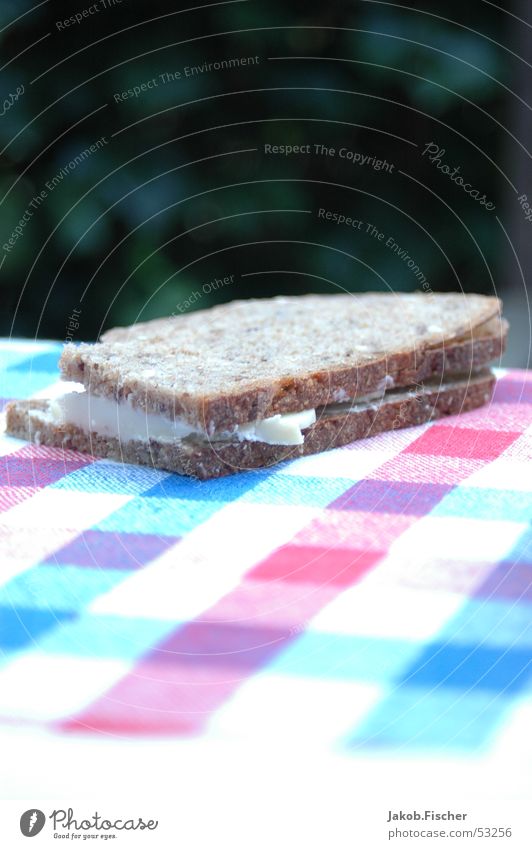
x=249, y=360
x=209, y=459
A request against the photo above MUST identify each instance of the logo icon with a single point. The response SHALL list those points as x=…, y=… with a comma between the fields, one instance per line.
x=32, y=822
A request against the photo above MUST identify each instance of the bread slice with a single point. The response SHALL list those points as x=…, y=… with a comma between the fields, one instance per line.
x=249, y=360
x=205, y=458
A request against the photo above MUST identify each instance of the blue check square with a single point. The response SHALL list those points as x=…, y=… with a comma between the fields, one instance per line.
x=487, y=504
x=58, y=588
x=110, y=637
x=420, y=719
x=164, y=516
x=24, y=627
x=293, y=490
x=47, y=361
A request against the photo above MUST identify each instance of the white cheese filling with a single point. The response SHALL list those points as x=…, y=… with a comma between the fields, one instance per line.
x=71, y=404
x=96, y=414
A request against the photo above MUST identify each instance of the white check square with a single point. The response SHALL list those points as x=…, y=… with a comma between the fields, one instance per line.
x=67, y=509
x=279, y=708
x=45, y=687
x=372, y=609
x=459, y=539
x=502, y=473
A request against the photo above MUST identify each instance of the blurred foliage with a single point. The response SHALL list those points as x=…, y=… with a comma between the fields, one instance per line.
x=184, y=192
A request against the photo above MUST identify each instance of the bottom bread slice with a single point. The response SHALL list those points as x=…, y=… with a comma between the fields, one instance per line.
x=203, y=458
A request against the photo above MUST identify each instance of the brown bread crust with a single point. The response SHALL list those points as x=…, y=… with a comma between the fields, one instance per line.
x=248, y=360
x=204, y=459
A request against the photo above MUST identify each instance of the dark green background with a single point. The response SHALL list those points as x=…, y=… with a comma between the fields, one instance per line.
x=125, y=222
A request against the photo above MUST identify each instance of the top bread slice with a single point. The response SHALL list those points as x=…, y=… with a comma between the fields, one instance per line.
x=248, y=360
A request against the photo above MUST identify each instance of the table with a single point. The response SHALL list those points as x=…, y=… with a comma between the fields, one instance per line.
x=365, y=611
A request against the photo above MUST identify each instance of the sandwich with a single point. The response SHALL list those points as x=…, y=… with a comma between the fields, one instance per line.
x=251, y=383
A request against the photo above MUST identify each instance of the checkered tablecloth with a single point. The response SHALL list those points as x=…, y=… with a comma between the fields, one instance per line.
x=375, y=598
